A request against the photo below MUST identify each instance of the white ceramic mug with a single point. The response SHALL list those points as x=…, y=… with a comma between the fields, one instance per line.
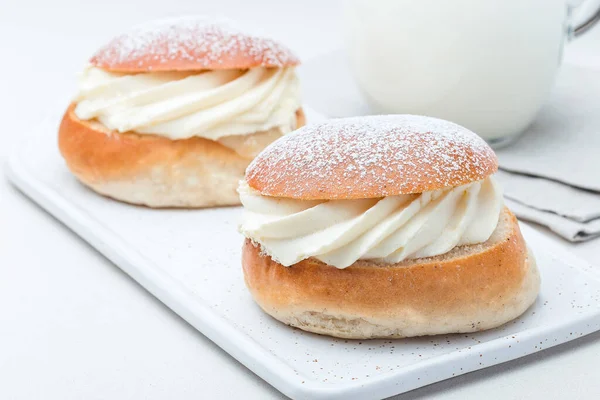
x=487, y=65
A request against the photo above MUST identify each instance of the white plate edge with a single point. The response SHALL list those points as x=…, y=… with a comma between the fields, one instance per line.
x=274, y=371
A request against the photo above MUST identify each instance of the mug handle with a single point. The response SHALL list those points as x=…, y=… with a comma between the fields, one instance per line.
x=587, y=24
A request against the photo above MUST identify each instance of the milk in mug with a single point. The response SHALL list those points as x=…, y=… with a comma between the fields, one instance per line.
x=487, y=65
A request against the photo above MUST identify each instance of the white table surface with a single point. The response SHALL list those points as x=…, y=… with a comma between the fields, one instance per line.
x=73, y=326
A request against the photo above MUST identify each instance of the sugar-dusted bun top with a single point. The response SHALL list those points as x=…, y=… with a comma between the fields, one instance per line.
x=368, y=157
x=190, y=44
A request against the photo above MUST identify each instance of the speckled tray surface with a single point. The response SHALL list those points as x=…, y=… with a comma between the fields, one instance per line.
x=190, y=260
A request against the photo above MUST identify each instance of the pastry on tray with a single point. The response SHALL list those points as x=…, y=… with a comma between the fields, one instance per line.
x=382, y=227
x=171, y=113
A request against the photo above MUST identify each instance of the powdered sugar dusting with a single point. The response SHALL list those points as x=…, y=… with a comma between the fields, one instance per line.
x=371, y=156
x=200, y=42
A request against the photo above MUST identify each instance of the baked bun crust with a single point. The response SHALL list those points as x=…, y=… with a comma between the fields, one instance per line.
x=152, y=170
x=469, y=289
x=370, y=157
x=190, y=44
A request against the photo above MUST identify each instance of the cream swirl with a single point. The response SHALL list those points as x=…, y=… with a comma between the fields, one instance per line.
x=389, y=229
x=179, y=105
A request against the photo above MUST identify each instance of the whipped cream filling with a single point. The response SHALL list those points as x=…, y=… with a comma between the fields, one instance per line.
x=389, y=229
x=211, y=104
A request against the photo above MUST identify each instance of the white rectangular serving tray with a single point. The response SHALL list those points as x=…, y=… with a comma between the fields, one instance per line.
x=190, y=260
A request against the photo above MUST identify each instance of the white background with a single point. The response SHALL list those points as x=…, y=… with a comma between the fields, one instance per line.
x=73, y=326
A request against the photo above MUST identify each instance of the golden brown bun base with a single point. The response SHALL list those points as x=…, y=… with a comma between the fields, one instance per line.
x=152, y=170
x=469, y=289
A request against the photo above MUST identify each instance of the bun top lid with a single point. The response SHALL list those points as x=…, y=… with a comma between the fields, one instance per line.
x=190, y=44
x=370, y=157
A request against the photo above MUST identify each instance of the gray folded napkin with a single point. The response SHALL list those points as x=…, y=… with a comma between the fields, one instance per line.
x=551, y=175
x=563, y=147
x=570, y=212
